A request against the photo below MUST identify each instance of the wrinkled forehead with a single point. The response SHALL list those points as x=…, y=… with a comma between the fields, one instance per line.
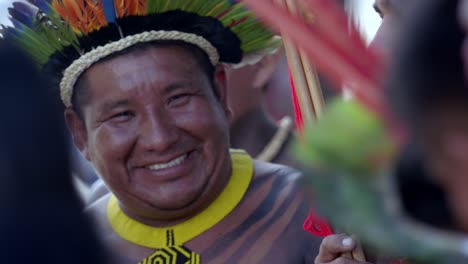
x=143, y=59
x=158, y=53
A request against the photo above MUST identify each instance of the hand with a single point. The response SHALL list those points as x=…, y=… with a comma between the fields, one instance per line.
x=332, y=249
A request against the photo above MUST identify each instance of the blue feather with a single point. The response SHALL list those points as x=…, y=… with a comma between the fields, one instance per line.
x=9, y=32
x=17, y=24
x=23, y=13
x=21, y=17
x=43, y=5
x=109, y=10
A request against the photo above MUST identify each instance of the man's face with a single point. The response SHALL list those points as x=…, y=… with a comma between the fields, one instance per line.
x=390, y=12
x=154, y=129
x=245, y=85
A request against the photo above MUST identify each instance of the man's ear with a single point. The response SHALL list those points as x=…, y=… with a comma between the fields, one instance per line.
x=220, y=86
x=77, y=129
x=265, y=69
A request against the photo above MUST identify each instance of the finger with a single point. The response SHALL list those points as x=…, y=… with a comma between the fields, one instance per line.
x=333, y=246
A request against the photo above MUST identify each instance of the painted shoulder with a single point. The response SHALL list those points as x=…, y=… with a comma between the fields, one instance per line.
x=283, y=175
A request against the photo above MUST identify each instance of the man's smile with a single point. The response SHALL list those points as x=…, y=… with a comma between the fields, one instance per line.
x=172, y=163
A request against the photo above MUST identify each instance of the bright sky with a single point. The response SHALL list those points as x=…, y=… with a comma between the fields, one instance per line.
x=369, y=20
x=4, y=4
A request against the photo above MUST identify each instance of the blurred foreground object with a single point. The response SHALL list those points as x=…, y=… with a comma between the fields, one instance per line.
x=355, y=144
x=41, y=219
x=351, y=151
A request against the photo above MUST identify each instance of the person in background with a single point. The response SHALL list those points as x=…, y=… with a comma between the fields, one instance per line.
x=251, y=127
x=277, y=96
x=260, y=99
x=429, y=93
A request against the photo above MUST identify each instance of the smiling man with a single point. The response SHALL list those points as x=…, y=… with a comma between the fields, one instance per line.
x=145, y=98
x=155, y=129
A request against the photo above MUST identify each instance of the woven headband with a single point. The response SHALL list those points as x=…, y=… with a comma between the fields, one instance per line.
x=74, y=71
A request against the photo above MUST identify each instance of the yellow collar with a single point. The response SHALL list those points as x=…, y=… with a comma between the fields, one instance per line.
x=154, y=237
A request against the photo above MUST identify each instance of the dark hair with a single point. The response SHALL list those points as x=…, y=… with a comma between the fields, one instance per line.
x=426, y=72
x=427, y=67
x=80, y=92
x=42, y=216
x=422, y=199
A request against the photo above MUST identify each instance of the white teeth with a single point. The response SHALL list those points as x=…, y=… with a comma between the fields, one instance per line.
x=169, y=164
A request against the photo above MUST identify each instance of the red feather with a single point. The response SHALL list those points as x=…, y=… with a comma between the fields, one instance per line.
x=336, y=49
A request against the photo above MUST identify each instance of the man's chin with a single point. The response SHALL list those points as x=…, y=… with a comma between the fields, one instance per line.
x=175, y=202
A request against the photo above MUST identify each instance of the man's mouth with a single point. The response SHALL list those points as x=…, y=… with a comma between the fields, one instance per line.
x=170, y=164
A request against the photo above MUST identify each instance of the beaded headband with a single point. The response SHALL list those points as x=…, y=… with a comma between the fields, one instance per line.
x=80, y=65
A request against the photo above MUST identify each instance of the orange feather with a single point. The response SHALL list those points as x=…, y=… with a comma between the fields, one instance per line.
x=142, y=8
x=84, y=16
x=95, y=16
x=119, y=7
x=130, y=7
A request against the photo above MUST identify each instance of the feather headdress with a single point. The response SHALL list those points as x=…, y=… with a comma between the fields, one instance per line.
x=69, y=36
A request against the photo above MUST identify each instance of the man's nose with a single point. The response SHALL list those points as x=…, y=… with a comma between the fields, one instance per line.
x=381, y=43
x=157, y=133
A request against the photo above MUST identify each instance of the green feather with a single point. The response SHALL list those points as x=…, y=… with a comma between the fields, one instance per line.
x=358, y=195
x=174, y=4
x=348, y=138
x=218, y=9
x=151, y=7
x=197, y=5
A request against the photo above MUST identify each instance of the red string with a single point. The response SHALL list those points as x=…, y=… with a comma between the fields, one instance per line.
x=313, y=224
x=317, y=225
x=297, y=107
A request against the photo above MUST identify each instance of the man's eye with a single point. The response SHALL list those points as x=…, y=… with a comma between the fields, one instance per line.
x=379, y=11
x=179, y=99
x=122, y=116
